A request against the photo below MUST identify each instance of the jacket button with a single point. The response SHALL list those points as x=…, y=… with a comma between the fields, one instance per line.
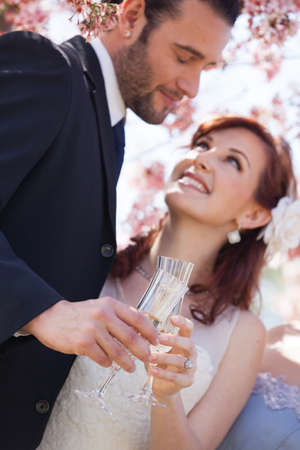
x=107, y=250
x=42, y=406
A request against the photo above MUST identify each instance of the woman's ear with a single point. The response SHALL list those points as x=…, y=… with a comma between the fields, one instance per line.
x=257, y=217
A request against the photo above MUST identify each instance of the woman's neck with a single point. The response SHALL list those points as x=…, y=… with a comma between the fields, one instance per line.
x=188, y=241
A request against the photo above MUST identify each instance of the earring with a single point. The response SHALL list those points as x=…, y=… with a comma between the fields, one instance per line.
x=234, y=237
x=127, y=33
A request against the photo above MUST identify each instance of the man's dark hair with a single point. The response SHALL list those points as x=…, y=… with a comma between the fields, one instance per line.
x=156, y=9
x=156, y=12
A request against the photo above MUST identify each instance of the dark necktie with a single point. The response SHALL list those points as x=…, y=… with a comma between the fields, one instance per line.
x=119, y=135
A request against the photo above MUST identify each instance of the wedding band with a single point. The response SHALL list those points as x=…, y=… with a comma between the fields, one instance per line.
x=188, y=364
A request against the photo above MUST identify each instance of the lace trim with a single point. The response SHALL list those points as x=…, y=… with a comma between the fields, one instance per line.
x=276, y=393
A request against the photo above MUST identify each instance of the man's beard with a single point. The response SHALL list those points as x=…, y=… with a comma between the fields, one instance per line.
x=135, y=77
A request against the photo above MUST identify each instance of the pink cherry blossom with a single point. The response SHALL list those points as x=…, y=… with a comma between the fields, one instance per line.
x=23, y=14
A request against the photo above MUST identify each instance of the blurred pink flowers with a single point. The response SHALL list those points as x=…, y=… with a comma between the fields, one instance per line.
x=94, y=17
x=23, y=14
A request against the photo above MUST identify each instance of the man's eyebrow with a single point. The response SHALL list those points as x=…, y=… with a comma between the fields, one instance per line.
x=241, y=153
x=190, y=49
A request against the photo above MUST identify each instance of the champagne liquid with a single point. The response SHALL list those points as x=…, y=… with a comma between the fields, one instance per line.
x=162, y=328
x=164, y=297
x=153, y=319
x=160, y=348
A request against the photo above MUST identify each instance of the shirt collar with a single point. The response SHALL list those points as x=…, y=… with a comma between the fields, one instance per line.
x=115, y=101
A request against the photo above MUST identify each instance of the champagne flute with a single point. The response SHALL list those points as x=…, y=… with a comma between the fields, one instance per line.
x=160, y=297
x=158, y=305
x=182, y=271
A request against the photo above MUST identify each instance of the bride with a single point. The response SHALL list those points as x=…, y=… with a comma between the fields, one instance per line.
x=220, y=197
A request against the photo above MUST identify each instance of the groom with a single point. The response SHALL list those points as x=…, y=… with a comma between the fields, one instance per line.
x=62, y=111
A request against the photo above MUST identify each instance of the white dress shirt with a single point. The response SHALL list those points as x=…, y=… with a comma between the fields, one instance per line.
x=115, y=101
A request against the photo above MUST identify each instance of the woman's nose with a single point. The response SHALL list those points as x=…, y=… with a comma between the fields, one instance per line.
x=201, y=163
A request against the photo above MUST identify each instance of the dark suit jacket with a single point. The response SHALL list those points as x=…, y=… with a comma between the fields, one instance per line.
x=57, y=212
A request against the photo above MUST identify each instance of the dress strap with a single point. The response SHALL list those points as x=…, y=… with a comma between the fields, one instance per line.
x=112, y=288
x=120, y=291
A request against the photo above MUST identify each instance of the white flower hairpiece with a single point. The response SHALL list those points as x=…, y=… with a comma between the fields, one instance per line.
x=283, y=231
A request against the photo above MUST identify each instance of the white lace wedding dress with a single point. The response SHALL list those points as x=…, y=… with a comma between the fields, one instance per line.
x=80, y=424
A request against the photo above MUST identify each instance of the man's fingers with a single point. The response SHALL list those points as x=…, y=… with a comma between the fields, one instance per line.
x=139, y=321
x=128, y=336
x=115, y=351
x=97, y=354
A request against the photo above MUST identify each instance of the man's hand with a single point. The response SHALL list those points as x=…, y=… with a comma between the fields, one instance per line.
x=102, y=329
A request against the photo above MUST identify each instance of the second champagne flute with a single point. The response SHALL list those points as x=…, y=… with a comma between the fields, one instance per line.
x=162, y=294
x=158, y=302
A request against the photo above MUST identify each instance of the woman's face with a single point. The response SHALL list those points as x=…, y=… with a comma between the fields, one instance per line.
x=215, y=182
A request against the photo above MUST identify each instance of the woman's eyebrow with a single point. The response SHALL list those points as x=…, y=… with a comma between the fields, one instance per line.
x=234, y=150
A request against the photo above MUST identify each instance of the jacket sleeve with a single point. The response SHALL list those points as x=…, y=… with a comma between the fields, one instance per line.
x=34, y=102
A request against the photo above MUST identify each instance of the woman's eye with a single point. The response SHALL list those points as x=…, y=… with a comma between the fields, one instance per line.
x=235, y=162
x=209, y=67
x=203, y=145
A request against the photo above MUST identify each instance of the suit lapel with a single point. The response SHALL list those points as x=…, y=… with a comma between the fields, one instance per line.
x=93, y=74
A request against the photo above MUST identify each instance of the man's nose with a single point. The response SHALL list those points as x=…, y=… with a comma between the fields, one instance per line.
x=189, y=84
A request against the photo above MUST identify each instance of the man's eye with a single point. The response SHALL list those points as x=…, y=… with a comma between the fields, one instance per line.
x=181, y=60
x=235, y=162
x=203, y=145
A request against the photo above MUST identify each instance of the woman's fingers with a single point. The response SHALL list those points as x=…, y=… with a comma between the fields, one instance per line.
x=185, y=325
x=179, y=378
x=176, y=361
x=175, y=369
x=179, y=344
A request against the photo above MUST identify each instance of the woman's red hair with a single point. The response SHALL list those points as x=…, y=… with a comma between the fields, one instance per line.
x=237, y=267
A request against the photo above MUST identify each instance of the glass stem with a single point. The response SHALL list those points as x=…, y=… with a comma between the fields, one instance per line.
x=102, y=389
x=148, y=383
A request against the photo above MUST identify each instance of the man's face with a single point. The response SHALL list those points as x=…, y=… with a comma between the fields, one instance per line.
x=155, y=75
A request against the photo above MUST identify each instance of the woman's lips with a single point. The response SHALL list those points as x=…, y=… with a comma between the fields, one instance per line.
x=193, y=183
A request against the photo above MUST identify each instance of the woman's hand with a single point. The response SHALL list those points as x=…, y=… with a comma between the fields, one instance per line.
x=169, y=373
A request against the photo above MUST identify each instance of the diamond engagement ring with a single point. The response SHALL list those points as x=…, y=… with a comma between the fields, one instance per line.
x=188, y=364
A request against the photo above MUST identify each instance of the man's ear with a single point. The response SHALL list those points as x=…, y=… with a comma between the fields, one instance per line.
x=131, y=18
x=257, y=217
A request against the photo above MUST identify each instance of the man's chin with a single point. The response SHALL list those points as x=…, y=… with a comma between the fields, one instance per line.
x=152, y=117
x=153, y=120
x=146, y=109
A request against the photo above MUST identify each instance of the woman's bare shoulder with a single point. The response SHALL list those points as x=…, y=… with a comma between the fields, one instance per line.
x=249, y=333
x=250, y=322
